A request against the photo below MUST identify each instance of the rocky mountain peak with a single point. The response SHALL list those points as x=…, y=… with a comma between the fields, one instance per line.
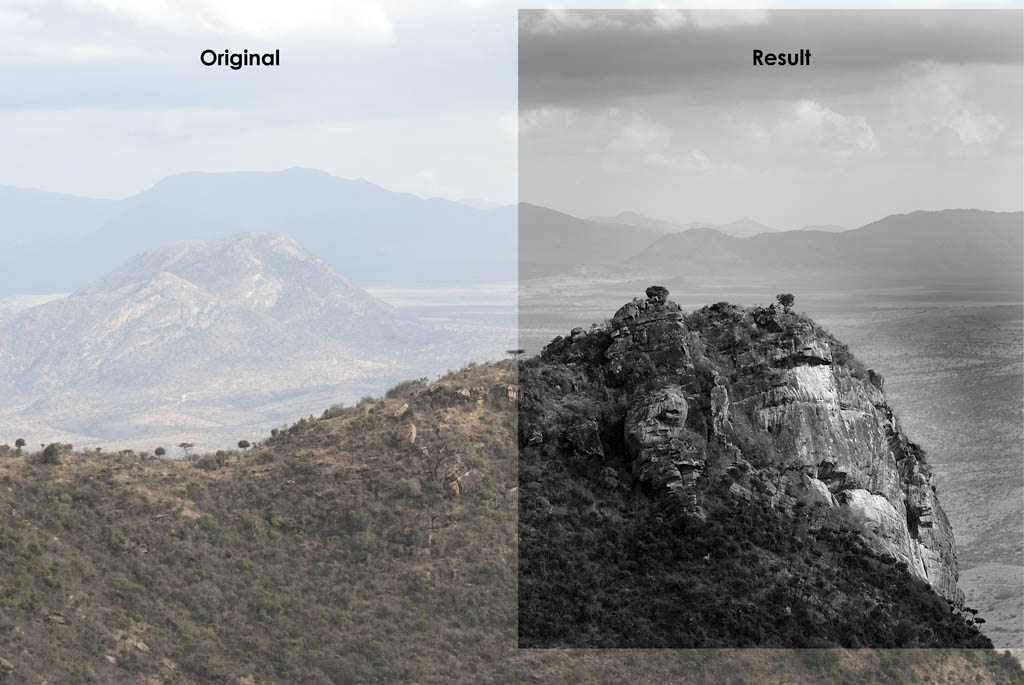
x=759, y=403
x=247, y=321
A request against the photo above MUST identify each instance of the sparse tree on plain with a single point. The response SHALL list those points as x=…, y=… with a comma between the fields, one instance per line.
x=186, y=447
x=18, y=444
x=159, y=451
x=243, y=444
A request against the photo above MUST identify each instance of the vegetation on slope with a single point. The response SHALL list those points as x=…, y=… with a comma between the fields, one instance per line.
x=331, y=553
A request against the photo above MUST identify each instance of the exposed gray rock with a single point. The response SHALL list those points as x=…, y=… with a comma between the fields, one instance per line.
x=665, y=453
x=462, y=484
x=811, y=491
x=406, y=435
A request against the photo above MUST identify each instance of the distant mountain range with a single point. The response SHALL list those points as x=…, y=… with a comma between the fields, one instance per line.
x=211, y=339
x=57, y=243
x=551, y=242
x=742, y=228
x=916, y=248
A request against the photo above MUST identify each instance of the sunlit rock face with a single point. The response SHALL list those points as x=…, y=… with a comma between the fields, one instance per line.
x=726, y=396
x=838, y=430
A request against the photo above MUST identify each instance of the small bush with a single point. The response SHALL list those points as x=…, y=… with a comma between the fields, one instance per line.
x=51, y=453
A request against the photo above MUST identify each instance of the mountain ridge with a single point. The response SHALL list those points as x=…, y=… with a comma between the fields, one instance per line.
x=954, y=243
x=371, y=234
x=968, y=244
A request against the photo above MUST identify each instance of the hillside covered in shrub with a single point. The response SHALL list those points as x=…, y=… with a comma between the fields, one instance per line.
x=371, y=544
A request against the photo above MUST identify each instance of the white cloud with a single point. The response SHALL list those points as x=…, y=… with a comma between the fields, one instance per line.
x=46, y=50
x=641, y=135
x=117, y=152
x=541, y=119
x=939, y=102
x=693, y=161
x=714, y=19
x=664, y=17
x=830, y=129
x=670, y=20
x=508, y=124
x=807, y=129
x=358, y=21
x=559, y=20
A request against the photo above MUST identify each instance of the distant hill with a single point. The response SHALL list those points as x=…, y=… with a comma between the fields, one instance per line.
x=960, y=244
x=635, y=219
x=477, y=203
x=210, y=338
x=373, y=235
x=37, y=227
x=741, y=228
x=827, y=228
x=744, y=228
x=551, y=242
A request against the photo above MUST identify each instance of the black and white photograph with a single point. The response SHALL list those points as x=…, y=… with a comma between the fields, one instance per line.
x=770, y=278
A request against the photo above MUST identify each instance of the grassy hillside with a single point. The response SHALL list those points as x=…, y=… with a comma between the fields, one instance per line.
x=335, y=551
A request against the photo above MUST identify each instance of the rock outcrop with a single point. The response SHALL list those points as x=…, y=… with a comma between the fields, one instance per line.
x=762, y=400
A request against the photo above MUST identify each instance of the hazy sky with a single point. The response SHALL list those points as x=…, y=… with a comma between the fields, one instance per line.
x=105, y=97
x=663, y=113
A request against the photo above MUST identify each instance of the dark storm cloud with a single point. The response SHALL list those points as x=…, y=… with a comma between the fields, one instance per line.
x=593, y=57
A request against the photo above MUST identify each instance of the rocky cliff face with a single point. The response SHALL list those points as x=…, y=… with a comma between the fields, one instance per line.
x=759, y=403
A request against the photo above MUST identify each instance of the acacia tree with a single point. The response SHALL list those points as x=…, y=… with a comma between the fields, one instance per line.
x=159, y=451
x=786, y=300
x=19, y=443
x=243, y=444
x=187, y=449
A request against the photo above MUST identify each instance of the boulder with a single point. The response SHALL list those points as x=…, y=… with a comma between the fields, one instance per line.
x=811, y=492
x=407, y=435
x=462, y=484
x=665, y=454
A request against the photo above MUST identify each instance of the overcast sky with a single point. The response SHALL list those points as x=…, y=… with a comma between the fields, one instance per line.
x=106, y=97
x=663, y=113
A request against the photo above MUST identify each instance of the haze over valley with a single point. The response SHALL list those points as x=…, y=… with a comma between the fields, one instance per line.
x=225, y=335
